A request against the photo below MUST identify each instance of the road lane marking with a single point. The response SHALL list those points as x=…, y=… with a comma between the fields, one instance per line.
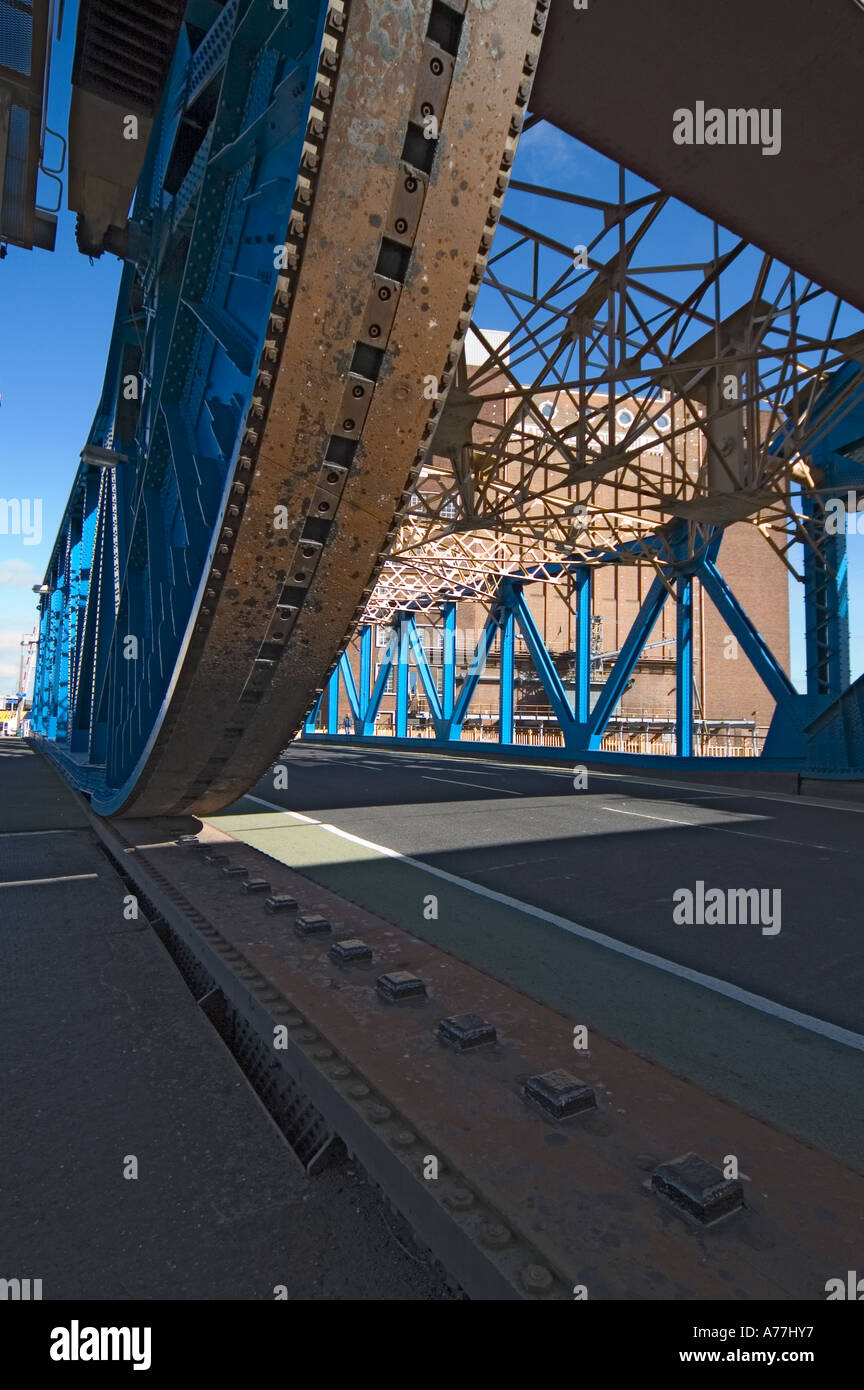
x=753, y=793
x=758, y=1002
x=19, y=834
x=32, y=882
x=726, y=830
x=478, y=786
x=643, y=815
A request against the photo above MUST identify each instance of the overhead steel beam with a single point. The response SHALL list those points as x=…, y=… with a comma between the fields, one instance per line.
x=614, y=75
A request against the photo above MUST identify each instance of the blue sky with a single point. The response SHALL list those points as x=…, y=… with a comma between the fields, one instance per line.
x=57, y=311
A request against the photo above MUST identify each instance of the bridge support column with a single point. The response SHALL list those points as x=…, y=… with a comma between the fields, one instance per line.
x=826, y=599
x=684, y=667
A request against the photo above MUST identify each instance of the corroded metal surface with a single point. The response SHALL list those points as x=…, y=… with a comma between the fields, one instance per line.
x=338, y=430
x=552, y=1206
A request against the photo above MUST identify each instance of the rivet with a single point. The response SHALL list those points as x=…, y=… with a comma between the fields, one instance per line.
x=400, y=984
x=465, y=1031
x=494, y=1234
x=559, y=1095
x=280, y=902
x=537, y=1278
x=459, y=1197
x=256, y=885
x=698, y=1187
x=351, y=950
x=311, y=924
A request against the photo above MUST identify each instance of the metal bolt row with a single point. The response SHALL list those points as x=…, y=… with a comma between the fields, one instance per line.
x=412, y=1147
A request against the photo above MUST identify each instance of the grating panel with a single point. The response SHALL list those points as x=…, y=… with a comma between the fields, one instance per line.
x=303, y=1126
x=124, y=49
x=16, y=208
x=16, y=35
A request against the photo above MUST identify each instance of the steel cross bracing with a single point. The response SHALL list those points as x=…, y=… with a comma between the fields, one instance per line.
x=581, y=722
x=628, y=413
x=293, y=277
x=623, y=395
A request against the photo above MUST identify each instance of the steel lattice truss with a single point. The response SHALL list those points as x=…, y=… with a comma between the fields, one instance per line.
x=628, y=391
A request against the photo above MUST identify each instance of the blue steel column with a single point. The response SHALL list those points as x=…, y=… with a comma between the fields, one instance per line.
x=333, y=702
x=41, y=691
x=365, y=668
x=507, y=625
x=54, y=657
x=684, y=667
x=582, y=589
x=448, y=663
x=403, y=637
x=826, y=601
x=625, y=662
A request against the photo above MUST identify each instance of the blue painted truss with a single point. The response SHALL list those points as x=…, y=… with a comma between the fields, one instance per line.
x=129, y=568
x=819, y=733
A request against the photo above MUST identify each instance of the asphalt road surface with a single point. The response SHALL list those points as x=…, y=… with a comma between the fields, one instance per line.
x=611, y=857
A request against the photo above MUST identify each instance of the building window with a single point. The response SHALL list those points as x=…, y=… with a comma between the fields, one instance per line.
x=624, y=417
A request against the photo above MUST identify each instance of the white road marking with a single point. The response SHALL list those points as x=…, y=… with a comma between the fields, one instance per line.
x=726, y=830
x=669, y=967
x=643, y=815
x=19, y=834
x=478, y=786
x=753, y=793
x=32, y=882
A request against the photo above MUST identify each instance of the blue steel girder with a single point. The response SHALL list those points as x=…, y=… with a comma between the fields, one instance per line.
x=409, y=633
x=582, y=595
x=625, y=663
x=684, y=667
x=755, y=648
x=826, y=597
x=472, y=679
x=513, y=598
x=507, y=674
x=687, y=557
x=190, y=328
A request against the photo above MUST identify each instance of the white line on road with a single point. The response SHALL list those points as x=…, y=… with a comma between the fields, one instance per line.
x=19, y=834
x=751, y=793
x=669, y=967
x=726, y=830
x=32, y=882
x=478, y=786
x=643, y=815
